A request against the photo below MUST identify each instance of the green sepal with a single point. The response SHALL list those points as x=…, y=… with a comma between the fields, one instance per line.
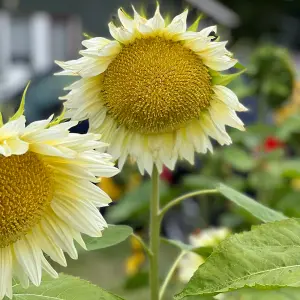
x=1, y=119
x=225, y=79
x=86, y=35
x=126, y=13
x=58, y=119
x=21, y=108
x=194, y=26
x=238, y=65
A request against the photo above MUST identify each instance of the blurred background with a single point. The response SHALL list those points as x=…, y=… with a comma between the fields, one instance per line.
x=263, y=162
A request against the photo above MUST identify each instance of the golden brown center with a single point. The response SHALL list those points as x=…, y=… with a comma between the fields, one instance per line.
x=156, y=85
x=26, y=190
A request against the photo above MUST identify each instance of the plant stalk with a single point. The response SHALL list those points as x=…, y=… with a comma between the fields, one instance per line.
x=154, y=236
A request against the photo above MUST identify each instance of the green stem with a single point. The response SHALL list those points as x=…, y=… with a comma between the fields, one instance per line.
x=146, y=248
x=154, y=236
x=170, y=274
x=181, y=198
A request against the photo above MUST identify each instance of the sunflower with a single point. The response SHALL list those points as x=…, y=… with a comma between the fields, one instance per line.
x=47, y=196
x=152, y=90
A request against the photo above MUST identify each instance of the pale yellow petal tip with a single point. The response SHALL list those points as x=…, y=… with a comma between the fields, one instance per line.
x=243, y=108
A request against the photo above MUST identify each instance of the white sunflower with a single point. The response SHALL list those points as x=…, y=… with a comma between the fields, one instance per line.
x=47, y=196
x=151, y=91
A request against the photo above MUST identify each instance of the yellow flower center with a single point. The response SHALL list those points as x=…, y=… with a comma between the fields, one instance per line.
x=156, y=85
x=26, y=190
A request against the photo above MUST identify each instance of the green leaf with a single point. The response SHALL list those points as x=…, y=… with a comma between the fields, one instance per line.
x=200, y=181
x=239, y=159
x=289, y=126
x=133, y=202
x=266, y=257
x=258, y=210
x=203, y=251
x=137, y=281
x=225, y=79
x=66, y=287
x=21, y=108
x=112, y=235
x=290, y=168
x=253, y=294
x=194, y=26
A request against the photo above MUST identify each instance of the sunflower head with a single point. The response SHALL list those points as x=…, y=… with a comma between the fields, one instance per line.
x=155, y=91
x=47, y=195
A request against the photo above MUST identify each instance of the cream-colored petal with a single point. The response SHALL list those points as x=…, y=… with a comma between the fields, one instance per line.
x=82, y=189
x=48, y=246
x=178, y=24
x=227, y=96
x=19, y=273
x=219, y=63
x=81, y=215
x=60, y=234
x=84, y=66
x=206, y=31
x=111, y=49
x=29, y=255
x=5, y=272
x=17, y=146
x=96, y=42
x=214, y=129
x=47, y=267
x=157, y=22
x=221, y=113
x=120, y=34
x=126, y=20
x=138, y=19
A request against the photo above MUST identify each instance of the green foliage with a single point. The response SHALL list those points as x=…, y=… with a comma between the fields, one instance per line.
x=134, y=202
x=203, y=251
x=66, y=287
x=272, y=74
x=113, y=235
x=253, y=294
x=21, y=108
x=266, y=257
x=258, y=210
x=290, y=126
x=239, y=158
x=137, y=281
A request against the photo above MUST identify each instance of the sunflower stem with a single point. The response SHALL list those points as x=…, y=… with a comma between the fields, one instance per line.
x=154, y=236
x=170, y=274
x=178, y=200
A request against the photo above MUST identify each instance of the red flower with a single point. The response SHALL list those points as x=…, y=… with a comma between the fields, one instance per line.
x=166, y=175
x=271, y=143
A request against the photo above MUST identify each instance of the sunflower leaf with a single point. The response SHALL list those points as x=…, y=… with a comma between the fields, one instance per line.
x=66, y=287
x=113, y=235
x=21, y=108
x=267, y=257
x=194, y=26
x=253, y=294
x=258, y=210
